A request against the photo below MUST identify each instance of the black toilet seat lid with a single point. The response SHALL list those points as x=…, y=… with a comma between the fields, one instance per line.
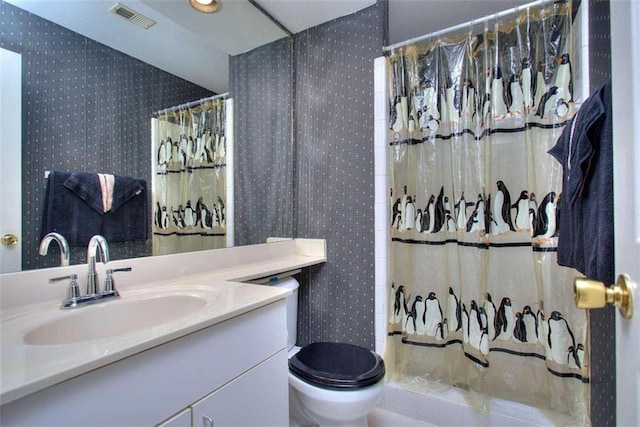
x=337, y=366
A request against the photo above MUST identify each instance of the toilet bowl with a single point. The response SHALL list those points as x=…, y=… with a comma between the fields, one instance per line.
x=334, y=384
x=330, y=384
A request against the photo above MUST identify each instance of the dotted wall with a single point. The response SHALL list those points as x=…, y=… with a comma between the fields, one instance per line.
x=86, y=107
x=334, y=174
x=602, y=322
x=261, y=84
x=599, y=43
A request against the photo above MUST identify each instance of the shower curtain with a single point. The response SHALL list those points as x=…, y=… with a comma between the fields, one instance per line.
x=476, y=299
x=189, y=189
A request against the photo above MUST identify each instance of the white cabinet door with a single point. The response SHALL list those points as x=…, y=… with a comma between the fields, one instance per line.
x=259, y=397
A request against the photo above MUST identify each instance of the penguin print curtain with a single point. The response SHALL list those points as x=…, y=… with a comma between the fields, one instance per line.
x=189, y=189
x=476, y=299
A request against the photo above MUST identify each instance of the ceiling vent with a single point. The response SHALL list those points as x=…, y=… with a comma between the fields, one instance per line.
x=132, y=16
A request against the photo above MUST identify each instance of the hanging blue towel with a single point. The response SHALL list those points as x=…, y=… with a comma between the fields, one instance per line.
x=74, y=208
x=585, y=150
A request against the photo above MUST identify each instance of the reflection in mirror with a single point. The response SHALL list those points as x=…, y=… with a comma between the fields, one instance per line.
x=190, y=151
x=262, y=86
x=86, y=107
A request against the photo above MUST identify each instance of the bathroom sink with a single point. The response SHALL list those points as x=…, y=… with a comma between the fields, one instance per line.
x=113, y=318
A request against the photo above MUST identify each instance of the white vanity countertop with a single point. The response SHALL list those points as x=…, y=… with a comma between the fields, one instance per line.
x=209, y=277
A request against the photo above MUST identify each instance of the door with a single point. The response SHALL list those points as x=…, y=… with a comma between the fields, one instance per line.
x=625, y=42
x=10, y=161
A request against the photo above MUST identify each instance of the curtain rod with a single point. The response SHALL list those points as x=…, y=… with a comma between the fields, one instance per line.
x=192, y=103
x=468, y=24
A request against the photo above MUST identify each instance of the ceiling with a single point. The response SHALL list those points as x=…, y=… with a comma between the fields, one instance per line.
x=197, y=46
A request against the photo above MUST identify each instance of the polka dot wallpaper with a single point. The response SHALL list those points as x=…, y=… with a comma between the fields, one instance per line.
x=602, y=322
x=320, y=185
x=334, y=174
x=261, y=85
x=86, y=107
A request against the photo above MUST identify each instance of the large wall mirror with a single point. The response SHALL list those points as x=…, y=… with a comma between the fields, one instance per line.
x=87, y=105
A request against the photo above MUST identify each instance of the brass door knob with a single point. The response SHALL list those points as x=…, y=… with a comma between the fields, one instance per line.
x=9, y=239
x=593, y=294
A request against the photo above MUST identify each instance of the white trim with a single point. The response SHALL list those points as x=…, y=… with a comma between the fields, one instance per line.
x=11, y=158
x=584, y=48
x=625, y=62
x=230, y=224
x=381, y=201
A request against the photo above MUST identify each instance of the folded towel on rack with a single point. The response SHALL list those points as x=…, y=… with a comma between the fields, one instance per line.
x=74, y=207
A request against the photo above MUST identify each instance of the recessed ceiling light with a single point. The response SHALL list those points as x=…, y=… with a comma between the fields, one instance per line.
x=205, y=6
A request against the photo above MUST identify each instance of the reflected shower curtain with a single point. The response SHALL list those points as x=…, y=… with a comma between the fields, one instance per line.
x=189, y=190
x=476, y=299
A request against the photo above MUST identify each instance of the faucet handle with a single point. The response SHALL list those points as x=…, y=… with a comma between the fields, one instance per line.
x=73, y=291
x=109, y=282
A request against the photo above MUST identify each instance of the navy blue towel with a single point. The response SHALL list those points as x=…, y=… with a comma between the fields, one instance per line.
x=73, y=208
x=585, y=150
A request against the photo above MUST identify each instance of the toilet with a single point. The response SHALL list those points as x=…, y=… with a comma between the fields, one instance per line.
x=330, y=384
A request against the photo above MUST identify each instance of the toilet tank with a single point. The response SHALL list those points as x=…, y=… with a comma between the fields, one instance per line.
x=292, y=308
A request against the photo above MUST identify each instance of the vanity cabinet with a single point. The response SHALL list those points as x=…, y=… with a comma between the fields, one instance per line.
x=234, y=372
x=249, y=400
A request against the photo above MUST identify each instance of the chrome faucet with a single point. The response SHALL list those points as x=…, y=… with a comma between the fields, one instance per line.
x=62, y=242
x=96, y=243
